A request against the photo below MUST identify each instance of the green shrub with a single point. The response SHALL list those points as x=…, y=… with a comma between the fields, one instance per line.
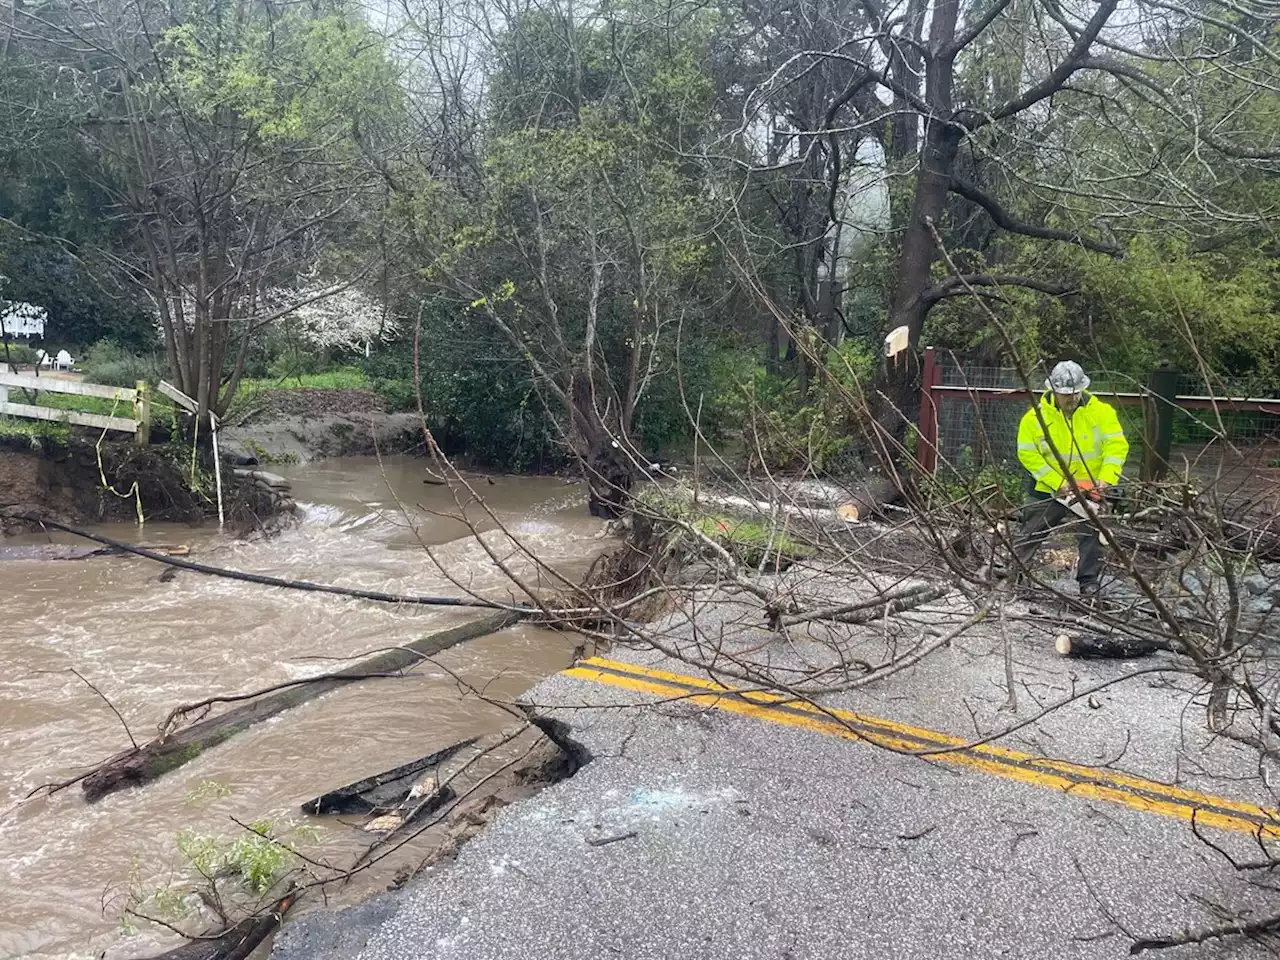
x=397, y=395
x=783, y=430
x=109, y=363
x=707, y=370
x=999, y=484
x=296, y=364
x=474, y=389
x=19, y=354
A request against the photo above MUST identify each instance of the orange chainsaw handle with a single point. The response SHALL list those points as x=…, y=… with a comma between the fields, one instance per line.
x=1088, y=489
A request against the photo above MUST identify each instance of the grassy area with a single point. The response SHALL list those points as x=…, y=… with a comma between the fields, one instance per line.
x=344, y=378
x=160, y=405
x=748, y=540
x=34, y=430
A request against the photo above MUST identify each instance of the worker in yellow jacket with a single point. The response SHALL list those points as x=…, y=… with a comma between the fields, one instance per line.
x=1087, y=435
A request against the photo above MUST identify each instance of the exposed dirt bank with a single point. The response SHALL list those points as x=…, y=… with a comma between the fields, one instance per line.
x=312, y=423
x=77, y=482
x=296, y=438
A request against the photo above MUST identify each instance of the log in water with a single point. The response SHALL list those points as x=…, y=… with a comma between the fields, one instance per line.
x=154, y=759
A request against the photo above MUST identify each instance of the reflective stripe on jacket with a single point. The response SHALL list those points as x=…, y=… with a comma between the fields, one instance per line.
x=1092, y=443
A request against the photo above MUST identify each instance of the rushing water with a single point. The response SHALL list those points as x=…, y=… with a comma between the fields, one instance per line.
x=149, y=644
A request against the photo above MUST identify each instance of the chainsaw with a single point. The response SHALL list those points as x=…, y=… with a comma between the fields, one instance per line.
x=1090, y=502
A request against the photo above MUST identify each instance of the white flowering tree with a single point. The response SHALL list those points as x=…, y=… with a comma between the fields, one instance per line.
x=347, y=320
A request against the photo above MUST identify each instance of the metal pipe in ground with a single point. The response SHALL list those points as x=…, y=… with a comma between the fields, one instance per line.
x=217, y=466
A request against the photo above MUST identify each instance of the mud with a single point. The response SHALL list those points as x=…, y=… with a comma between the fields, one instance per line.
x=66, y=482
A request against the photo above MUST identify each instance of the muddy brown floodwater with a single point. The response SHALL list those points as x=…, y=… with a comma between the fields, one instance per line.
x=66, y=868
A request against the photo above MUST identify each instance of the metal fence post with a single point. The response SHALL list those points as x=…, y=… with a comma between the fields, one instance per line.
x=142, y=413
x=1157, y=421
x=927, y=440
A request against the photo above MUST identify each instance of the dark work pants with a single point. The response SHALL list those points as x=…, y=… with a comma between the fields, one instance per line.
x=1040, y=516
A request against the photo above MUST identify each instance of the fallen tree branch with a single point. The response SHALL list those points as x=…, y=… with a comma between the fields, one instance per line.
x=110, y=706
x=270, y=581
x=1239, y=929
x=875, y=608
x=238, y=942
x=173, y=749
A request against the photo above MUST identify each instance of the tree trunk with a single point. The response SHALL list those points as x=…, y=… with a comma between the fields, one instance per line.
x=608, y=467
x=773, y=347
x=905, y=63
x=238, y=942
x=913, y=278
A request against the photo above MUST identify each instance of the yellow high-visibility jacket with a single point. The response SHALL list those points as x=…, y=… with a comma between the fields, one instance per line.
x=1092, y=443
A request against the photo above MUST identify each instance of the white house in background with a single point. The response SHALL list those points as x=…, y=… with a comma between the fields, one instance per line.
x=21, y=319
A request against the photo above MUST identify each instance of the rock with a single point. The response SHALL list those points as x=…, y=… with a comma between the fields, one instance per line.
x=1258, y=585
x=1259, y=606
x=1192, y=585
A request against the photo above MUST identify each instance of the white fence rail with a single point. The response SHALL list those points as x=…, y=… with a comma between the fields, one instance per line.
x=135, y=400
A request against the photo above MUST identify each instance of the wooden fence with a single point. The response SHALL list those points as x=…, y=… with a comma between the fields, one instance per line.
x=135, y=400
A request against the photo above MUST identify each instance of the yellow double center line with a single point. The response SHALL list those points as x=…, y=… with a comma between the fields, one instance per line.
x=1076, y=779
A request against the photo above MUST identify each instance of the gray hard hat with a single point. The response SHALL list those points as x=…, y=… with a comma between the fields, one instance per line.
x=1067, y=377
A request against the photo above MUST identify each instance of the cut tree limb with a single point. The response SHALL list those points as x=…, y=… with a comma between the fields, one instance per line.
x=875, y=608
x=171, y=751
x=1104, y=647
x=238, y=942
x=860, y=501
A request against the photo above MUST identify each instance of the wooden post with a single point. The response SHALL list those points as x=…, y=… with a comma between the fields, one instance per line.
x=142, y=413
x=927, y=441
x=1157, y=421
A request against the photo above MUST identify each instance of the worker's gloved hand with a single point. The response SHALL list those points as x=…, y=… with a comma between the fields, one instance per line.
x=1088, y=490
x=1091, y=490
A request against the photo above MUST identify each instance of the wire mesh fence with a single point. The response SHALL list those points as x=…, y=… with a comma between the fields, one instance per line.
x=970, y=415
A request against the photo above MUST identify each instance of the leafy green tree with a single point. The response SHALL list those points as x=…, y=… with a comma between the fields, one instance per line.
x=582, y=241
x=241, y=146
x=56, y=219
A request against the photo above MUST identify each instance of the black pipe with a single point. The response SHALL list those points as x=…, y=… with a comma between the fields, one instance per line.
x=279, y=581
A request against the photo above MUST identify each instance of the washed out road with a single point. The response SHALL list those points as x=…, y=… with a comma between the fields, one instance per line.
x=717, y=826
